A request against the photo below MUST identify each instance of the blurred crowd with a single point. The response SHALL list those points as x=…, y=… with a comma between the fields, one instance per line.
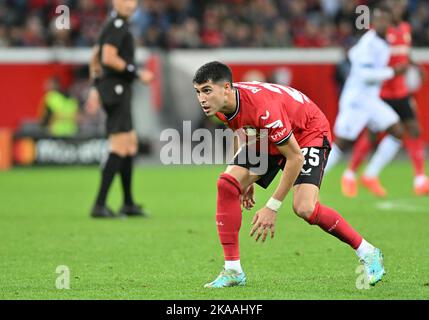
x=170, y=24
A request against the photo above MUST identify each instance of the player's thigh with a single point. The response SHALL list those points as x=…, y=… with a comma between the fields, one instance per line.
x=382, y=116
x=242, y=175
x=305, y=197
x=132, y=143
x=351, y=120
x=412, y=127
x=409, y=119
x=258, y=167
x=406, y=110
x=119, y=143
x=404, y=107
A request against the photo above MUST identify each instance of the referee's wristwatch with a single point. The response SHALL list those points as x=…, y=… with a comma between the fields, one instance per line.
x=131, y=71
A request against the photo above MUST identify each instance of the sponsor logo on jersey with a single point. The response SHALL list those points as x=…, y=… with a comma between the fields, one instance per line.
x=275, y=124
x=278, y=135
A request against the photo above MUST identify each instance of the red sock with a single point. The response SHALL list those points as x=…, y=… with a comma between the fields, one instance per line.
x=360, y=150
x=332, y=222
x=416, y=150
x=228, y=215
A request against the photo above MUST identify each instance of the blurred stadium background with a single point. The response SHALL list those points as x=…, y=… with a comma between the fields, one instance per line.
x=301, y=43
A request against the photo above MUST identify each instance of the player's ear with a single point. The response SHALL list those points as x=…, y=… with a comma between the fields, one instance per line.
x=227, y=86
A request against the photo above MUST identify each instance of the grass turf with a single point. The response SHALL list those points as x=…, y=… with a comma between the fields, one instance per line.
x=45, y=223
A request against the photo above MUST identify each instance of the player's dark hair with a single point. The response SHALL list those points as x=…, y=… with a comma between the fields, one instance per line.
x=214, y=71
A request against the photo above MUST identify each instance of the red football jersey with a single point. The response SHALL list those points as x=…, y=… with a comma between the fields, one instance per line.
x=281, y=110
x=399, y=38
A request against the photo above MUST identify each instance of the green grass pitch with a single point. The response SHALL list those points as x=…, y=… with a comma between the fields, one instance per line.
x=45, y=223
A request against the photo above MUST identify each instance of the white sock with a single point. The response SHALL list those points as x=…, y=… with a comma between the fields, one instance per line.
x=334, y=156
x=349, y=174
x=386, y=151
x=234, y=265
x=419, y=180
x=364, y=249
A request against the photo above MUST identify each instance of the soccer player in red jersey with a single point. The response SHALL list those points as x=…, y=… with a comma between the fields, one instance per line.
x=395, y=93
x=296, y=130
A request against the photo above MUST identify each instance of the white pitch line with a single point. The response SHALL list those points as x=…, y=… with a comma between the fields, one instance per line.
x=409, y=205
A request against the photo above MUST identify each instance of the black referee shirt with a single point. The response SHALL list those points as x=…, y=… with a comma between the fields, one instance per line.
x=116, y=33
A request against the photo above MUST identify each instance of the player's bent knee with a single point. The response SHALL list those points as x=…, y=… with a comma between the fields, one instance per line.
x=242, y=175
x=119, y=144
x=304, y=209
x=396, y=130
x=414, y=131
x=343, y=144
x=119, y=149
x=227, y=184
x=132, y=150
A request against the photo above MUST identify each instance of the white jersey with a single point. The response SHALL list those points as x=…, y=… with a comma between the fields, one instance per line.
x=360, y=102
x=369, y=60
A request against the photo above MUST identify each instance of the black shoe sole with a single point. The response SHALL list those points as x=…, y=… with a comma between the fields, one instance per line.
x=102, y=216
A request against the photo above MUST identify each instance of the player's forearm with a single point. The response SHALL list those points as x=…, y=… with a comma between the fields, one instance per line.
x=94, y=56
x=115, y=62
x=94, y=63
x=118, y=64
x=377, y=75
x=290, y=173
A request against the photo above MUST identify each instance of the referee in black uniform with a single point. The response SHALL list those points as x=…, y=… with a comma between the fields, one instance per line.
x=113, y=70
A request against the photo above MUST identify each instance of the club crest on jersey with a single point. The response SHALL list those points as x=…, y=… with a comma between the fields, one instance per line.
x=118, y=23
x=267, y=115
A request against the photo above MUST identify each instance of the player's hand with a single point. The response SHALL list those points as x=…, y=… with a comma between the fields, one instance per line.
x=401, y=68
x=263, y=222
x=95, y=71
x=248, y=198
x=92, y=103
x=146, y=76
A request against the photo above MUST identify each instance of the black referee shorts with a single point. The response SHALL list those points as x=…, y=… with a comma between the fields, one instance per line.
x=116, y=99
x=403, y=107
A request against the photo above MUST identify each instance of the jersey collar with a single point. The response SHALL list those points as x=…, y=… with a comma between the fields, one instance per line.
x=237, y=109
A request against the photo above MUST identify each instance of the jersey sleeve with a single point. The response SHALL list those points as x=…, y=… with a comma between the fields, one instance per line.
x=115, y=35
x=367, y=69
x=363, y=57
x=371, y=74
x=276, y=121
